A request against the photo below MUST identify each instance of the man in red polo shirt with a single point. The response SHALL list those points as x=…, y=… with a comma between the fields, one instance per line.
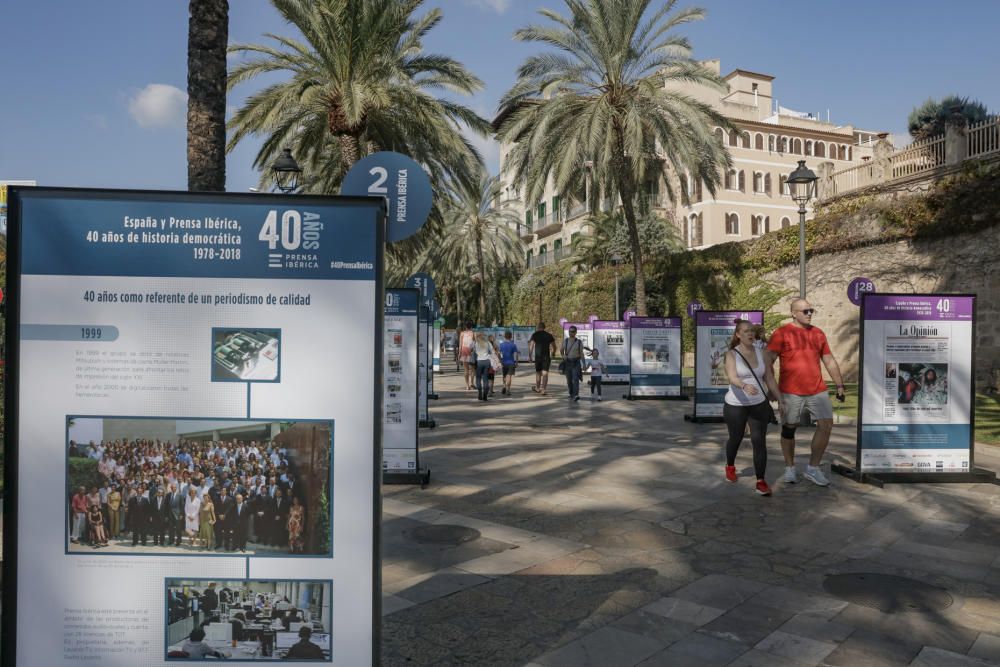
x=800, y=346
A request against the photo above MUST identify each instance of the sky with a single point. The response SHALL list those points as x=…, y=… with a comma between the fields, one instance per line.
x=94, y=92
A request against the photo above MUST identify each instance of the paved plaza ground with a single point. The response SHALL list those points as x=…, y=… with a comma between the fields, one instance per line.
x=608, y=536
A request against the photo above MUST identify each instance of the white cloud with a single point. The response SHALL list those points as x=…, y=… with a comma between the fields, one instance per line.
x=159, y=105
x=498, y=6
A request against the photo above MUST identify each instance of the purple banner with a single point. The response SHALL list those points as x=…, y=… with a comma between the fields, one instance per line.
x=580, y=326
x=726, y=318
x=930, y=307
x=655, y=322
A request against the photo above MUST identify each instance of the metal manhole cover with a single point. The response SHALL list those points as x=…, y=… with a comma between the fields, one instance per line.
x=887, y=592
x=444, y=533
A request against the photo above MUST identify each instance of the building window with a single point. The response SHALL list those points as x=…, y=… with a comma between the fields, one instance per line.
x=783, y=186
x=732, y=224
x=543, y=250
x=697, y=190
x=743, y=181
x=734, y=138
x=820, y=149
x=731, y=179
x=746, y=139
x=809, y=147
x=849, y=158
x=783, y=143
x=528, y=258
x=557, y=246
x=527, y=222
x=770, y=143
x=758, y=182
x=767, y=184
x=556, y=209
x=756, y=224
x=541, y=214
x=758, y=141
x=684, y=186
x=767, y=224
x=785, y=222
x=718, y=135
x=797, y=146
x=699, y=230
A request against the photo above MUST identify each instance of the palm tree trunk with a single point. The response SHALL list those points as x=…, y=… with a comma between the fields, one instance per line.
x=482, y=278
x=208, y=37
x=350, y=150
x=627, y=190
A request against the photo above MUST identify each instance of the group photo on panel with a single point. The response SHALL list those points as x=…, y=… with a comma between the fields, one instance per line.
x=766, y=380
x=139, y=486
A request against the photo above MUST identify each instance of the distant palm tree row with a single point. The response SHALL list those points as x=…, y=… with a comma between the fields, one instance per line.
x=596, y=104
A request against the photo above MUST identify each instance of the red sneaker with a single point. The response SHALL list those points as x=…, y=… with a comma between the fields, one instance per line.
x=762, y=488
x=730, y=473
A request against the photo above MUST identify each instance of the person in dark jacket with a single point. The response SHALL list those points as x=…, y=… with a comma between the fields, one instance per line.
x=304, y=649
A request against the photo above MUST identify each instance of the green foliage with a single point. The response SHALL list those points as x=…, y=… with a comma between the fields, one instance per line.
x=930, y=118
x=82, y=472
x=608, y=236
x=321, y=522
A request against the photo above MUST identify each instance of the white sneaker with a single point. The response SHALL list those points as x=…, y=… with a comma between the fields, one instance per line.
x=790, y=477
x=816, y=476
x=598, y=399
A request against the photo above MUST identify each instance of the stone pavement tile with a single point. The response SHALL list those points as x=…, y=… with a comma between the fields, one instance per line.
x=720, y=590
x=697, y=650
x=606, y=647
x=928, y=628
x=514, y=560
x=436, y=584
x=986, y=647
x=936, y=551
x=936, y=657
x=870, y=648
x=984, y=605
x=934, y=565
x=393, y=603
x=798, y=602
x=683, y=611
x=755, y=658
x=652, y=625
x=817, y=626
x=804, y=649
x=747, y=623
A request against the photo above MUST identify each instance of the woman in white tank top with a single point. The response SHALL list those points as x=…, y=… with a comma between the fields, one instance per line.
x=749, y=373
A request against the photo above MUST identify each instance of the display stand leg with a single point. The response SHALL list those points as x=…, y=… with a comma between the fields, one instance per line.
x=427, y=423
x=432, y=397
x=421, y=477
x=975, y=476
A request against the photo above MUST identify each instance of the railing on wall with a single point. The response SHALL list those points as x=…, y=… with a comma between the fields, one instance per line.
x=853, y=178
x=984, y=138
x=918, y=157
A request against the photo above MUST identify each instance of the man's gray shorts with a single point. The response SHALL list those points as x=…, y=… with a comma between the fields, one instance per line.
x=817, y=405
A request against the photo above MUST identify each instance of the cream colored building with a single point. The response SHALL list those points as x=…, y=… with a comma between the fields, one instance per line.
x=765, y=148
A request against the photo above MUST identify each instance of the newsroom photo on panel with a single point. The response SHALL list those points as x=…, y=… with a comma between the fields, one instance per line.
x=248, y=619
x=246, y=355
x=198, y=486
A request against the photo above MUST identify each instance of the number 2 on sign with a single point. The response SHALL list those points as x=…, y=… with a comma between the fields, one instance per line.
x=378, y=187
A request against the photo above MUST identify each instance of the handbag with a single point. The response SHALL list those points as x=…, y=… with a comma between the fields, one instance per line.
x=772, y=418
x=495, y=362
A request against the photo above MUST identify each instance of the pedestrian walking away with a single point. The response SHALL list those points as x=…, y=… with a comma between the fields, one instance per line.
x=541, y=348
x=481, y=353
x=495, y=364
x=572, y=354
x=466, y=340
x=509, y=356
x=800, y=347
x=597, y=371
x=751, y=384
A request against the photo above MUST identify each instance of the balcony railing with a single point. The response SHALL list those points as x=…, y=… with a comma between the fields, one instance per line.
x=546, y=258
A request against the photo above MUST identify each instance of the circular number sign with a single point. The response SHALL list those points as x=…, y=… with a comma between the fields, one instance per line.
x=401, y=181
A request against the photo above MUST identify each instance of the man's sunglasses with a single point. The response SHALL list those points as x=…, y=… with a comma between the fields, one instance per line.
x=808, y=311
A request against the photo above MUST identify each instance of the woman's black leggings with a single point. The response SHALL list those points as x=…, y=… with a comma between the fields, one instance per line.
x=736, y=417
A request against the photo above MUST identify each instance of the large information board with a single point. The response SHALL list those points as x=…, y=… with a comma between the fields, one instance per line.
x=611, y=339
x=175, y=357
x=713, y=332
x=655, y=356
x=399, y=412
x=916, y=396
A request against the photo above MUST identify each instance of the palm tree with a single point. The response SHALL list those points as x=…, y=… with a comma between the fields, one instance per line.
x=360, y=82
x=208, y=34
x=476, y=237
x=604, y=99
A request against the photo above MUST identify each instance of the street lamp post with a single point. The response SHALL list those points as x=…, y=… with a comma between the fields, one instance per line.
x=541, y=284
x=802, y=186
x=286, y=172
x=616, y=261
